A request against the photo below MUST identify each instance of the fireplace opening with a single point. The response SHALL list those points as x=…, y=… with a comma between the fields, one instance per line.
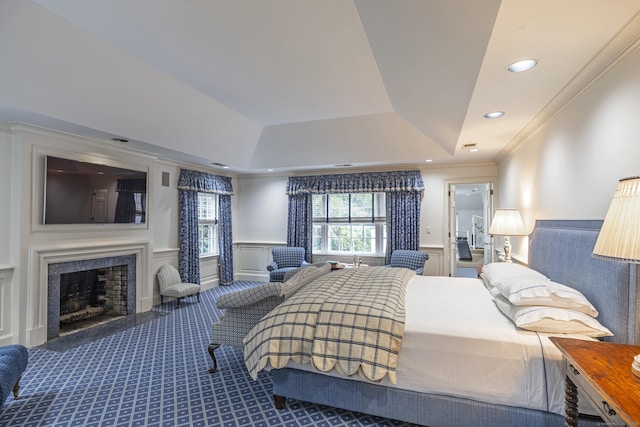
x=84, y=293
x=92, y=297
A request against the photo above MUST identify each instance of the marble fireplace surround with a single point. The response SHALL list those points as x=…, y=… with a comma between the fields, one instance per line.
x=41, y=258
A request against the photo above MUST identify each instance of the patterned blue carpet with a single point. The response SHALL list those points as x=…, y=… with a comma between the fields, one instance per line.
x=154, y=373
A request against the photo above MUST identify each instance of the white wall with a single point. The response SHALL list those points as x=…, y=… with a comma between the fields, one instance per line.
x=262, y=209
x=261, y=220
x=259, y=209
x=29, y=244
x=569, y=168
x=9, y=293
x=5, y=195
x=434, y=214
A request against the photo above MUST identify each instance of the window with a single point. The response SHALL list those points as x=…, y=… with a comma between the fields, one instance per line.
x=140, y=214
x=351, y=223
x=208, y=224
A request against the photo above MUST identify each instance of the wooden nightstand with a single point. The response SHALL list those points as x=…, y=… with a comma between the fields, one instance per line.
x=601, y=373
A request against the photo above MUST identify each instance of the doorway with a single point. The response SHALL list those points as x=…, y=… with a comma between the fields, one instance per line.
x=470, y=212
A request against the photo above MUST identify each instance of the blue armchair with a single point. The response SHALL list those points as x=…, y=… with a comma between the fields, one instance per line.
x=285, y=259
x=413, y=260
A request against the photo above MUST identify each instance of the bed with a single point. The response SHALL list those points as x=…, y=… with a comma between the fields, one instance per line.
x=560, y=250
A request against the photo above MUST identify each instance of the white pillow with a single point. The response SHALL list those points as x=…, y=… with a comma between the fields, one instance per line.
x=497, y=272
x=545, y=292
x=493, y=291
x=552, y=320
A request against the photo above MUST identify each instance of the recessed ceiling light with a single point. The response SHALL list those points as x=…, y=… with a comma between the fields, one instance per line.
x=269, y=170
x=494, y=114
x=524, y=65
x=428, y=160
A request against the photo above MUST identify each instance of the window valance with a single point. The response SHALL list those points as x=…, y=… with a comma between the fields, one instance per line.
x=132, y=186
x=367, y=182
x=204, y=182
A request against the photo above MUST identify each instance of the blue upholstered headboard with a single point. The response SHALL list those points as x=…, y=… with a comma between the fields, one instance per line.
x=561, y=249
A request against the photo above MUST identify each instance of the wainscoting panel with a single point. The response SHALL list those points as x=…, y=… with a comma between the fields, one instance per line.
x=251, y=260
x=5, y=305
x=368, y=260
x=209, y=272
x=435, y=264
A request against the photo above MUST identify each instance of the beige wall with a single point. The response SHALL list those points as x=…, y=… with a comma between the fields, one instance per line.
x=569, y=168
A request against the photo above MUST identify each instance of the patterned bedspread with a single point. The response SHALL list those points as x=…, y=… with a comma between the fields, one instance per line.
x=351, y=320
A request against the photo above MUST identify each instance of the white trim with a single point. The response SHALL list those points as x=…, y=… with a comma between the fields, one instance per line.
x=6, y=273
x=37, y=190
x=37, y=277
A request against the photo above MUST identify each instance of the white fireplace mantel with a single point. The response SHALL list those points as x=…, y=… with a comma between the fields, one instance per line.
x=41, y=257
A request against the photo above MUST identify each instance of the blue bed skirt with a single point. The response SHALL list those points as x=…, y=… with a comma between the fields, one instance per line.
x=419, y=408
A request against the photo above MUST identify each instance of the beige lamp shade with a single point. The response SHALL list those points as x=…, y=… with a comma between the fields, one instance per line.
x=619, y=238
x=507, y=222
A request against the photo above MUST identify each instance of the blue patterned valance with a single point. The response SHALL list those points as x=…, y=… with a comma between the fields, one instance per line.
x=366, y=182
x=203, y=182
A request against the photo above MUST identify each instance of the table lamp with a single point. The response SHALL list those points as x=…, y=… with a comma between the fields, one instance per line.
x=507, y=222
x=619, y=238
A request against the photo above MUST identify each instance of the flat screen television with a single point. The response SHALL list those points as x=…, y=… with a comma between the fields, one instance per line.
x=77, y=192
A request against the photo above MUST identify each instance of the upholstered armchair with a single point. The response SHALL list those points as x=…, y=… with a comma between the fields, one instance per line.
x=171, y=285
x=413, y=260
x=242, y=310
x=285, y=259
x=13, y=362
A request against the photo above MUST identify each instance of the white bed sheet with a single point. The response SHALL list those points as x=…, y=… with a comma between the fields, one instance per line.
x=457, y=343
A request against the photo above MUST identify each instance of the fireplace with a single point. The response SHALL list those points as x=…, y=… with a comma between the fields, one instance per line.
x=86, y=293
x=92, y=297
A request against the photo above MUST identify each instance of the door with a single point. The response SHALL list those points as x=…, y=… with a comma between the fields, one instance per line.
x=488, y=215
x=453, y=230
x=470, y=208
x=99, y=209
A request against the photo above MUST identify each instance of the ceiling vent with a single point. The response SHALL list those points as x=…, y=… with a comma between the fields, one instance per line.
x=470, y=147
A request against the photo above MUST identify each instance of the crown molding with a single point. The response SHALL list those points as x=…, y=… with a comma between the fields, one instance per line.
x=622, y=45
